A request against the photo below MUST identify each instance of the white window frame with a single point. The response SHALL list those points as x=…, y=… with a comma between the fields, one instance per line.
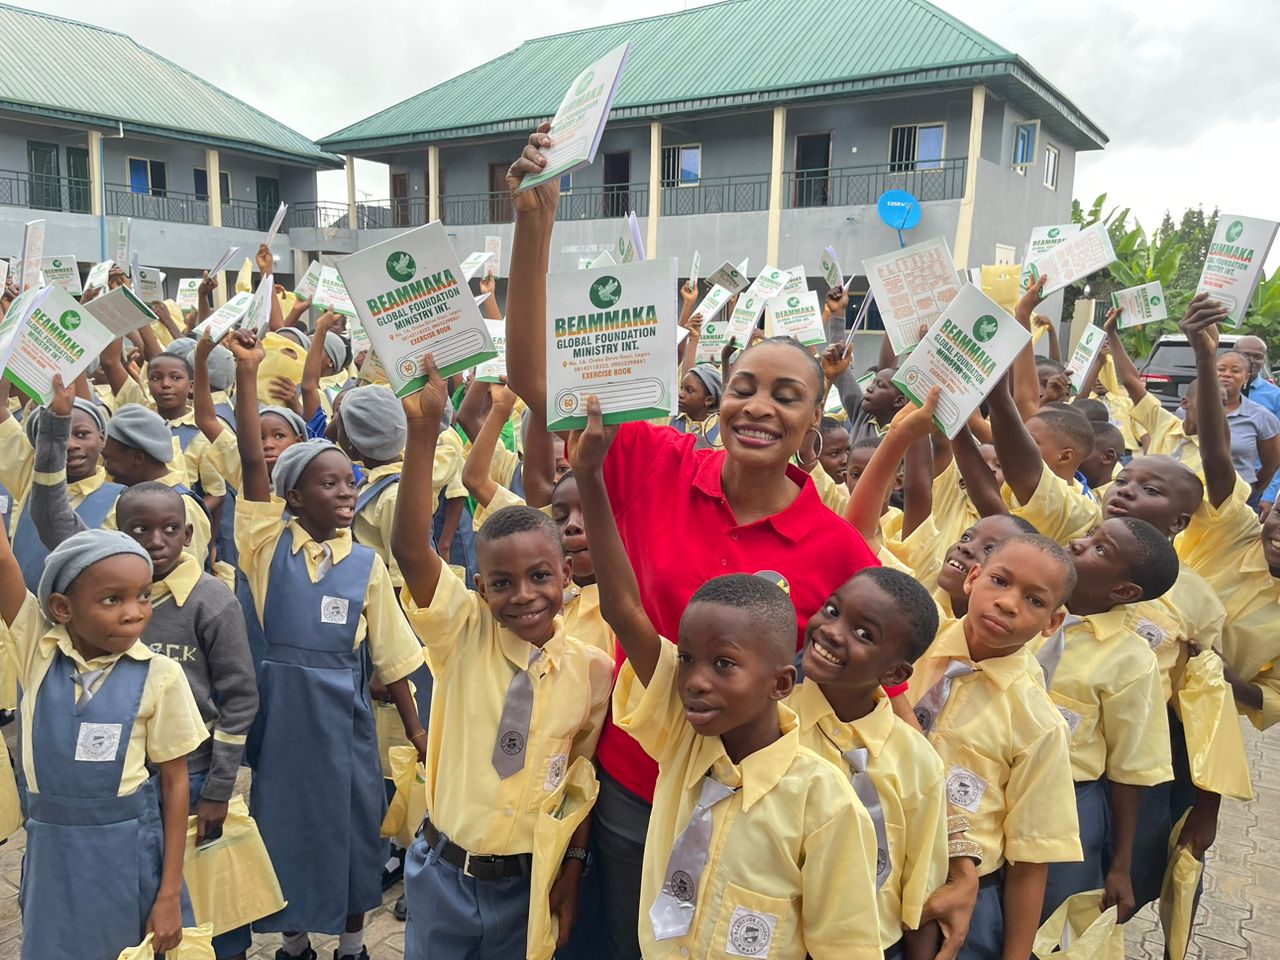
x=1021, y=167
x=678, y=147
x=915, y=161
x=1051, y=168
x=1005, y=254
x=226, y=194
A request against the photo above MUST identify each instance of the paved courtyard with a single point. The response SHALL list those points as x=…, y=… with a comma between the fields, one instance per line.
x=1239, y=915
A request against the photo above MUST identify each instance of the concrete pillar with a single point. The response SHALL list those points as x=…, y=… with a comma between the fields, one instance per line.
x=213, y=170
x=433, y=183
x=777, y=160
x=964, y=222
x=352, y=218
x=655, y=188
x=95, y=173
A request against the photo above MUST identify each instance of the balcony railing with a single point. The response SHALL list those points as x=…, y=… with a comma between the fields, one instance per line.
x=39, y=192
x=316, y=214
x=717, y=195
x=861, y=186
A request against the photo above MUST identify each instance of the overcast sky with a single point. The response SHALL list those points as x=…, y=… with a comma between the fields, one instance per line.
x=1187, y=91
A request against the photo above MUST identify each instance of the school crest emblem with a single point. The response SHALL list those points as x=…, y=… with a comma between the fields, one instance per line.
x=1150, y=632
x=682, y=886
x=750, y=933
x=512, y=742
x=965, y=788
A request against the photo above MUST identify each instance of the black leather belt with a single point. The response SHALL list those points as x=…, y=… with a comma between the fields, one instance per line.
x=489, y=867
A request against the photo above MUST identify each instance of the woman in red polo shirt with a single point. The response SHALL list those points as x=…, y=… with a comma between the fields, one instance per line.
x=685, y=515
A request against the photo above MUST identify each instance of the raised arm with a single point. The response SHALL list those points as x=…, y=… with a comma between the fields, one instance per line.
x=13, y=591
x=1016, y=449
x=979, y=484
x=50, y=505
x=1200, y=327
x=1040, y=322
x=475, y=471
x=490, y=307
x=300, y=306
x=619, y=592
x=535, y=215
x=1090, y=378
x=253, y=462
x=909, y=424
x=1026, y=385
x=112, y=362
x=415, y=506
x=202, y=398
x=314, y=364
x=470, y=414
x=539, y=461
x=204, y=298
x=1125, y=369
x=917, y=485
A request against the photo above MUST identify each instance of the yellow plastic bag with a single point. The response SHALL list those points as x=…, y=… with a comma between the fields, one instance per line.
x=1215, y=745
x=197, y=944
x=231, y=879
x=390, y=731
x=1078, y=930
x=283, y=358
x=558, y=817
x=1002, y=283
x=244, y=279
x=408, y=807
x=1178, y=895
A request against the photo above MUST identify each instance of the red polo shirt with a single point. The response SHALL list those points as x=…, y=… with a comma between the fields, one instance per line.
x=680, y=532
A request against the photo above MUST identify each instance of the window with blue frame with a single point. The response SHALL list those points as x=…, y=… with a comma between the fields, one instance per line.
x=147, y=176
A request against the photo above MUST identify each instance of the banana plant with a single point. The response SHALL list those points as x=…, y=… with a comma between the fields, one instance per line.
x=1263, y=319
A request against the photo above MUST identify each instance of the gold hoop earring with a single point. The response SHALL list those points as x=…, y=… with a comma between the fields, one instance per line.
x=818, y=453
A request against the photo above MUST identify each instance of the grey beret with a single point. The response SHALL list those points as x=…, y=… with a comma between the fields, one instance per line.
x=288, y=416
x=336, y=348
x=222, y=369
x=95, y=412
x=135, y=426
x=374, y=421
x=294, y=460
x=182, y=347
x=79, y=552
x=299, y=335
x=711, y=378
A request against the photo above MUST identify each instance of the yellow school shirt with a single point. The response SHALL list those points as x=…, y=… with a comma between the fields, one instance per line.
x=473, y=660
x=792, y=851
x=224, y=456
x=1058, y=508
x=501, y=499
x=446, y=469
x=17, y=461
x=834, y=496
x=1164, y=433
x=195, y=459
x=1224, y=545
x=502, y=468
x=582, y=618
x=1107, y=687
x=372, y=525
x=921, y=551
x=1120, y=407
x=201, y=530
x=908, y=778
x=953, y=511
x=1004, y=746
x=393, y=649
x=168, y=724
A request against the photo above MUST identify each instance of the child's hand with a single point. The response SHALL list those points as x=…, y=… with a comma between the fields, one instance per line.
x=244, y=346
x=1200, y=830
x=837, y=301
x=207, y=285
x=835, y=361
x=165, y=922
x=1109, y=324
x=1041, y=322
x=544, y=197
x=914, y=422
x=500, y=395
x=90, y=293
x=204, y=347
x=426, y=407
x=1199, y=325
x=563, y=900
x=282, y=392
x=1118, y=892
x=328, y=320
x=951, y=905
x=210, y=816
x=1029, y=301
x=694, y=325
x=64, y=397
x=116, y=278
x=687, y=293
x=588, y=447
x=488, y=283
x=266, y=262
x=727, y=350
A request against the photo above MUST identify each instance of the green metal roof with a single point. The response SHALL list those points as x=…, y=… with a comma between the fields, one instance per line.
x=64, y=70
x=731, y=55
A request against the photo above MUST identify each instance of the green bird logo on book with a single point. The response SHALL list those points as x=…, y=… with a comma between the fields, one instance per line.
x=69, y=320
x=1234, y=231
x=605, y=292
x=985, y=328
x=400, y=266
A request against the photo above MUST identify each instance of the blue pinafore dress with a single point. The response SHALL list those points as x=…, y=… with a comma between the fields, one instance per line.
x=94, y=860
x=317, y=792
x=31, y=551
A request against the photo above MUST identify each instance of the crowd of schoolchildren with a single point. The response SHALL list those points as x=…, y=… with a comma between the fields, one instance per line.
x=769, y=680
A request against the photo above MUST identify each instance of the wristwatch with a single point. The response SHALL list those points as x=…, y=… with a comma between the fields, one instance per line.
x=576, y=853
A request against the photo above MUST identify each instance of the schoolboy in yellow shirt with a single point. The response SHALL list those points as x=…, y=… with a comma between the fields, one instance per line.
x=979, y=696
x=517, y=708
x=1225, y=544
x=1105, y=681
x=756, y=845
x=866, y=637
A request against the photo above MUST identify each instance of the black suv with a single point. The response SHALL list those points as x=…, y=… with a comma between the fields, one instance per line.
x=1172, y=366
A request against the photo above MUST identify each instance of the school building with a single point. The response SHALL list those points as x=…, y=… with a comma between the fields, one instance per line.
x=95, y=128
x=760, y=128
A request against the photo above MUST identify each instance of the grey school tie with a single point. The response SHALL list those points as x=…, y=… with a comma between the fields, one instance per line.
x=85, y=682
x=870, y=797
x=1051, y=652
x=935, y=698
x=513, y=728
x=672, y=912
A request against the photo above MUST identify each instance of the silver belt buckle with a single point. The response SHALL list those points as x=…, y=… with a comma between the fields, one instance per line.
x=466, y=866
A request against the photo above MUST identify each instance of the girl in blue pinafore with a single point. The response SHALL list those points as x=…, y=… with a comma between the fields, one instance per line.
x=106, y=729
x=331, y=620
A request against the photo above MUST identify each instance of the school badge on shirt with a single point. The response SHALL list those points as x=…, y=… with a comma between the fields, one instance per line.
x=98, y=742
x=965, y=788
x=1150, y=632
x=750, y=933
x=334, y=609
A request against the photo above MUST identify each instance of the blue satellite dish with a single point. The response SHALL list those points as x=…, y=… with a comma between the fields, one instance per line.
x=899, y=209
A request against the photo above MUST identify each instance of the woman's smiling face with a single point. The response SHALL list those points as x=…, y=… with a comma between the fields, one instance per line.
x=770, y=402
